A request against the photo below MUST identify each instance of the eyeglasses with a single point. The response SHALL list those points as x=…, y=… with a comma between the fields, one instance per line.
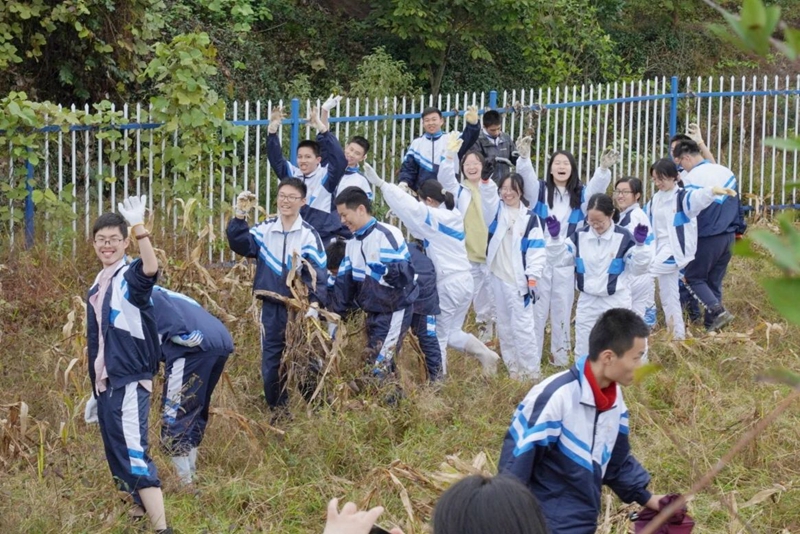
x=621, y=192
x=113, y=241
x=507, y=190
x=291, y=198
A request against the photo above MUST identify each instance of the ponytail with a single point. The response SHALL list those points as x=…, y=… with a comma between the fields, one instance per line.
x=433, y=189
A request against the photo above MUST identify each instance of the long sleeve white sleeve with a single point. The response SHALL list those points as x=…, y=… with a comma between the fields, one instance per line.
x=529, y=179
x=489, y=200
x=597, y=184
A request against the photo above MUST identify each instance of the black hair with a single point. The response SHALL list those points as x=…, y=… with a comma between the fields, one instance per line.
x=110, y=220
x=335, y=253
x=479, y=504
x=616, y=330
x=352, y=197
x=473, y=153
x=297, y=183
x=431, y=110
x=309, y=143
x=491, y=118
x=604, y=204
x=679, y=137
x=664, y=168
x=635, y=183
x=574, y=185
x=517, y=183
x=433, y=189
x=360, y=141
x=685, y=147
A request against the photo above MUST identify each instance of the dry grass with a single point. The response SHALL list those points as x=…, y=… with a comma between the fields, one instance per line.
x=256, y=478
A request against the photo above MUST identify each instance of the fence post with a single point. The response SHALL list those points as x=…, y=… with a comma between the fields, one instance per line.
x=29, y=230
x=295, y=140
x=673, y=108
x=492, y=99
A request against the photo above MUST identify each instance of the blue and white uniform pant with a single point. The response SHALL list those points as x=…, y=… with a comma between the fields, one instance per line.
x=482, y=298
x=424, y=326
x=385, y=334
x=188, y=385
x=556, y=295
x=273, y=340
x=590, y=308
x=122, y=414
x=643, y=297
x=455, y=294
x=669, y=294
x=515, y=330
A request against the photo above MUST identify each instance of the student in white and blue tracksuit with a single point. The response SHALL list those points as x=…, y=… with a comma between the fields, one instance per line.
x=273, y=243
x=376, y=275
x=434, y=220
x=673, y=215
x=717, y=226
x=468, y=202
x=516, y=260
x=569, y=436
x=355, y=152
x=627, y=195
x=320, y=165
x=563, y=196
x=421, y=162
x=123, y=348
x=600, y=254
x=195, y=346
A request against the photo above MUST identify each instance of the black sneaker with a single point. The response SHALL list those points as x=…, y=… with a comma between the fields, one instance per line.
x=722, y=319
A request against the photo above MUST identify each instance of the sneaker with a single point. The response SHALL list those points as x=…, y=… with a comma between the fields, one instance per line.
x=720, y=320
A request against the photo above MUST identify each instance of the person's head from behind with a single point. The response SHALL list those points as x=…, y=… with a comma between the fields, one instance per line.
x=291, y=196
x=686, y=154
x=308, y=158
x=433, y=195
x=492, y=123
x=617, y=343
x=664, y=173
x=472, y=166
x=600, y=213
x=335, y=253
x=356, y=150
x=677, y=138
x=110, y=238
x=512, y=190
x=432, y=120
x=488, y=505
x=354, y=208
x=627, y=192
x=562, y=173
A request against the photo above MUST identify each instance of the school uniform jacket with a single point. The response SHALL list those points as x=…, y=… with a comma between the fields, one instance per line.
x=564, y=450
x=273, y=249
x=528, y=247
x=421, y=162
x=353, y=178
x=375, y=248
x=319, y=210
x=178, y=314
x=495, y=147
x=725, y=214
x=130, y=335
x=601, y=260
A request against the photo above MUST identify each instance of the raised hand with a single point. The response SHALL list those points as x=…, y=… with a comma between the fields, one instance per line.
x=372, y=176
x=609, y=158
x=471, y=115
x=524, y=146
x=553, y=226
x=640, y=233
x=132, y=208
x=244, y=203
x=694, y=132
x=275, y=120
x=454, y=143
x=331, y=103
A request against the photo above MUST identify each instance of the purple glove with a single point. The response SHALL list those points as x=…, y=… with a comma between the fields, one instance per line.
x=553, y=226
x=640, y=234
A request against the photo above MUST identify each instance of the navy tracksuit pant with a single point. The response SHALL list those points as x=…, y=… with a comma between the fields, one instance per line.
x=273, y=340
x=707, y=271
x=424, y=327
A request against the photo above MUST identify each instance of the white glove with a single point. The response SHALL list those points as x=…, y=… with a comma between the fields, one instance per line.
x=717, y=190
x=404, y=188
x=693, y=131
x=609, y=158
x=332, y=328
x=191, y=339
x=275, y=120
x=372, y=176
x=90, y=413
x=132, y=208
x=331, y=103
x=314, y=120
x=244, y=203
x=524, y=147
x=471, y=115
x=454, y=143
x=312, y=312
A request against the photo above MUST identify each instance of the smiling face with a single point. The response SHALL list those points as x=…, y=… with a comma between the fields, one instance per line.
x=561, y=169
x=621, y=369
x=510, y=193
x=624, y=196
x=663, y=183
x=307, y=161
x=473, y=168
x=599, y=221
x=290, y=200
x=109, y=245
x=432, y=123
x=353, y=219
x=354, y=154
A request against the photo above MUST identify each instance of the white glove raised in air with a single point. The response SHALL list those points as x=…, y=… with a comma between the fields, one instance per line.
x=609, y=158
x=332, y=102
x=372, y=176
x=315, y=121
x=192, y=339
x=244, y=203
x=524, y=146
x=471, y=115
x=693, y=131
x=275, y=120
x=454, y=142
x=132, y=208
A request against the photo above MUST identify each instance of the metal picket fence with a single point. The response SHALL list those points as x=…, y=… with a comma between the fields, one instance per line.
x=637, y=118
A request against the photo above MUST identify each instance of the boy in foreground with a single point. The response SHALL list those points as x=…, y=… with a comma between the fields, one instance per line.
x=124, y=352
x=569, y=436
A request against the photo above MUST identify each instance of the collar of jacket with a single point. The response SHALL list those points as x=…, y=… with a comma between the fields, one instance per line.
x=365, y=230
x=606, y=236
x=278, y=227
x=434, y=136
x=352, y=170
